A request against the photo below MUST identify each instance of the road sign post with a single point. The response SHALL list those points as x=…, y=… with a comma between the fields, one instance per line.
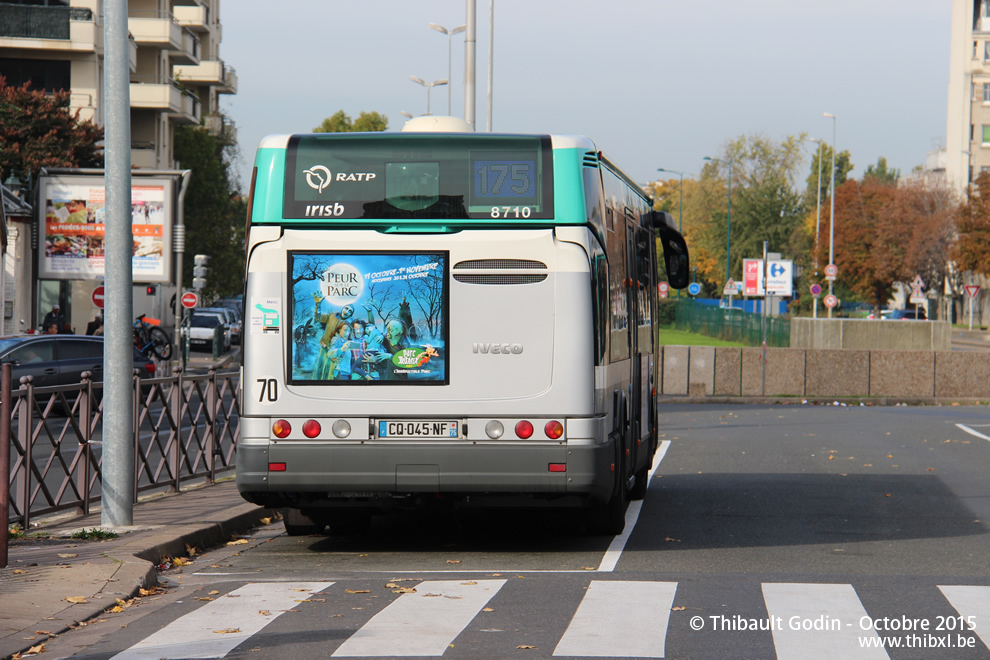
x=971, y=291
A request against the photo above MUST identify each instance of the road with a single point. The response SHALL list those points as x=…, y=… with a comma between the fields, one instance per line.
x=787, y=531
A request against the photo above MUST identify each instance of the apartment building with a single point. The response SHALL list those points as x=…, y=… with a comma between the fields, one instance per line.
x=176, y=72
x=967, y=137
x=176, y=77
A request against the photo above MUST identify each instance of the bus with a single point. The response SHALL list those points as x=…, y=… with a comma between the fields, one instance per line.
x=437, y=316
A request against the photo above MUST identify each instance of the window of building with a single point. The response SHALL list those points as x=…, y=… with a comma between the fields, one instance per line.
x=986, y=133
x=47, y=75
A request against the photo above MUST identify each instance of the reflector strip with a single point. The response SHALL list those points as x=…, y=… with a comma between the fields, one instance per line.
x=558, y=467
x=276, y=467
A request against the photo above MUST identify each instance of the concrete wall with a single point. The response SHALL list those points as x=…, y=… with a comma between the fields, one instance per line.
x=863, y=334
x=699, y=371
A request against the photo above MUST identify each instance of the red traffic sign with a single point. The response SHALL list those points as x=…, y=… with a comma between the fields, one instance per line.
x=831, y=301
x=97, y=296
x=816, y=289
x=189, y=300
x=972, y=290
x=831, y=271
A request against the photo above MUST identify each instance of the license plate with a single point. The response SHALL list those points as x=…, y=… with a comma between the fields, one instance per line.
x=417, y=429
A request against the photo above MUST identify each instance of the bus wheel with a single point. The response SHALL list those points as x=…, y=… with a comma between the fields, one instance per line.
x=296, y=524
x=638, y=491
x=609, y=518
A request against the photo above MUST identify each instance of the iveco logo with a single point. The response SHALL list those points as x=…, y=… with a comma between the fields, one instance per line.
x=497, y=349
x=317, y=177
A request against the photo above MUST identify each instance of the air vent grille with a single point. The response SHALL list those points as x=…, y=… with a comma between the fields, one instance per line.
x=591, y=159
x=498, y=279
x=479, y=264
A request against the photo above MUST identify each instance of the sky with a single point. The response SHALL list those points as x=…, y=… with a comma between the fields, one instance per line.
x=654, y=83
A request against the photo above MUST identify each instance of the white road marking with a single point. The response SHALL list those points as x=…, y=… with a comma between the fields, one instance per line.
x=620, y=619
x=614, y=552
x=971, y=602
x=967, y=429
x=201, y=634
x=835, y=608
x=421, y=624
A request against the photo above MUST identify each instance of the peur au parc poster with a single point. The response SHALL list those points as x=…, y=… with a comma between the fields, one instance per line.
x=366, y=318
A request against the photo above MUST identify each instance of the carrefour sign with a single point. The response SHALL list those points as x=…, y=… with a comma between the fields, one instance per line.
x=780, y=278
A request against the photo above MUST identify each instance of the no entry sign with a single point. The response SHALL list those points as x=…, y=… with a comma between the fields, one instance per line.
x=189, y=300
x=98, y=296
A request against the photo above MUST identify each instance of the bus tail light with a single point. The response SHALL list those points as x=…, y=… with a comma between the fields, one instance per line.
x=150, y=368
x=524, y=429
x=311, y=428
x=553, y=429
x=558, y=467
x=276, y=467
x=281, y=429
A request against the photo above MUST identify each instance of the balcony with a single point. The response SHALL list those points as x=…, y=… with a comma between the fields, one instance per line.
x=229, y=85
x=195, y=18
x=49, y=28
x=164, y=94
x=207, y=72
x=143, y=155
x=160, y=30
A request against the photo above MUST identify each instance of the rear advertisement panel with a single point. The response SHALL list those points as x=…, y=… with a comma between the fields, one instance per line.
x=368, y=318
x=73, y=228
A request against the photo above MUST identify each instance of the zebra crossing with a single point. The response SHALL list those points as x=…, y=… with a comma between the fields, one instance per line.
x=613, y=618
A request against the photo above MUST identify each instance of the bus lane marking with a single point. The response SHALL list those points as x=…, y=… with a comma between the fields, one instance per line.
x=966, y=429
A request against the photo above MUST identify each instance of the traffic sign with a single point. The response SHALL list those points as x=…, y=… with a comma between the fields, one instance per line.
x=816, y=289
x=831, y=301
x=730, y=288
x=831, y=272
x=189, y=300
x=972, y=290
x=694, y=288
x=917, y=297
x=917, y=282
x=97, y=296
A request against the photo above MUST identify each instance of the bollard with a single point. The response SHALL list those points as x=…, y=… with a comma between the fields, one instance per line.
x=6, y=372
x=217, y=341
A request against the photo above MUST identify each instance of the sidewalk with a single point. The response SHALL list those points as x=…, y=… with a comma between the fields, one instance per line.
x=37, y=580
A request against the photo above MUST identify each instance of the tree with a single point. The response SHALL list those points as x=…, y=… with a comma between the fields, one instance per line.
x=843, y=166
x=881, y=173
x=339, y=122
x=37, y=130
x=972, y=248
x=215, y=211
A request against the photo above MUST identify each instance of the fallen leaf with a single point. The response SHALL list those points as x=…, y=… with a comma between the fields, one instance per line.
x=678, y=609
x=525, y=646
x=42, y=632
x=182, y=561
x=404, y=590
x=77, y=599
x=931, y=469
x=116, y=609
x=264, y=613
x=358, y=591
x=453, y=561
x=40, y=648
x=237, y=542
x=214, y=592
x=588, y=568
x=468, y=583
x=337, y=616
x=266, y=521
x=68, y=555
x=224, y=631
x=206, y=598
x=18, y=571
x=192, y=550
x=672, y=540
x=488, y=609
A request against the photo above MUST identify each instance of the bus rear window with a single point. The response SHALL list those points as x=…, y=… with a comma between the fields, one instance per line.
x=418, y=176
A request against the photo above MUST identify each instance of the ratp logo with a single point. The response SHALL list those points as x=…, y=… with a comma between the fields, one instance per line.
x=318, y=177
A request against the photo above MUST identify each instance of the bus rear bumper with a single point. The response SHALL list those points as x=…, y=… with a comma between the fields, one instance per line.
x=330, y=474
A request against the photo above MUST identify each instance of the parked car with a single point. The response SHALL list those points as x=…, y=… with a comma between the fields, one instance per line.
x=233, y=320
x=908, y=315
x=201, y=329
x=60, y=359
x=884, y=314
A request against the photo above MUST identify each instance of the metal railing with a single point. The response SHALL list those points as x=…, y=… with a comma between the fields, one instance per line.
x=732, y=324
x=32, y=22
x=186, y=429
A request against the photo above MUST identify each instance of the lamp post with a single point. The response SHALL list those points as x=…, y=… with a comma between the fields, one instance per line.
x=428, y=86
x=728, y=223
x=680, y=213
x=450, y=37
x=831, y=219
x=818, y=216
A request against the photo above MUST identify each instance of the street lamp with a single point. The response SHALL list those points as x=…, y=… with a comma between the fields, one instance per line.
x=450, y=37
x=680, y=213
x=831, y=220
x=728, y=223
x=428, y=86
x=818, y=216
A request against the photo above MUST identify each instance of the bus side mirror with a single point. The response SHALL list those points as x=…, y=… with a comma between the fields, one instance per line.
x=675, y=250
